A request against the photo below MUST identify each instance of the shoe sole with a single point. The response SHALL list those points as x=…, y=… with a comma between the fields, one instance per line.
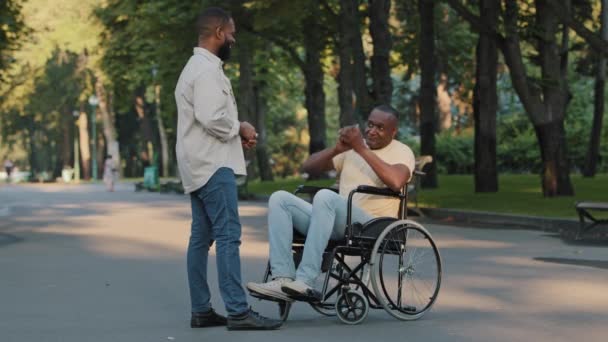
x=269, y=293
x=254, y=328
x=308, y=296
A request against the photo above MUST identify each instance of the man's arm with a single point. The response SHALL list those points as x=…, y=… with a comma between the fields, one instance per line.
x=210, y=108
x=322, y=161
x=394, y=176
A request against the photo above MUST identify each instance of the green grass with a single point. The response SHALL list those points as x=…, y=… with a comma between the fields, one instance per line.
x=518, y=194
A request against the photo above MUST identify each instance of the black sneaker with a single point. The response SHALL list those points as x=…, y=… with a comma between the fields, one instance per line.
x=252, y=320
x=207, y=319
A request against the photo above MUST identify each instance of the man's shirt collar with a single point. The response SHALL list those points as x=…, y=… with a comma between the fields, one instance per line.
x=209, y=55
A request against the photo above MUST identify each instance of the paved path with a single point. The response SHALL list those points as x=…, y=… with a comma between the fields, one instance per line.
x=81, y=264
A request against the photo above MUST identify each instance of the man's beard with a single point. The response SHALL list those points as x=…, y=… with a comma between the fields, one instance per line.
x=224, y=52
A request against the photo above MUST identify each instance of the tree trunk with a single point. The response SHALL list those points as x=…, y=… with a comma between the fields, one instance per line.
x=444, y=104
x=547, y=111
x=381, y=70
x=66, y=143
x=146, y=127
x=428, y=119
x=552, y=140
x=347, y=30
x=261, y=149
x=246, y=97
x=598, y=100
x=85, y=149
x=313, y=74
x=107, y=117
x=485, y=102
x=550, y=131
x=364, y=101
x=164, y=145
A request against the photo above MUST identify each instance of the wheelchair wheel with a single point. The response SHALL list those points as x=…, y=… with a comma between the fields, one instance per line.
x=406, y=270
x=352, y=307
x=284, y=310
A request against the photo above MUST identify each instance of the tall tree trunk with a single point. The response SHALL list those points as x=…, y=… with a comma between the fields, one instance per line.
x=164, y=144
x=383, y=43
x=428, y=118
x=598, y=100
x=364, y=101
x=66, y=143
x=246, y=98
x=85, y=150
x=550, y=132
x=107, y=117
x=313, y=74
x=261, y=107
x=145, y=125
x=547, y=111
x=444, y=104
x=348, y=28
x=33, y=155
x=485, y=101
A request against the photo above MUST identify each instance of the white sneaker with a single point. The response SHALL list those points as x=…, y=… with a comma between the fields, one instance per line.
x=271, y=288
x=298, y=288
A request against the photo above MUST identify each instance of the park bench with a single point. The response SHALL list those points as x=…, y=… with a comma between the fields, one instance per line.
x=584, y=210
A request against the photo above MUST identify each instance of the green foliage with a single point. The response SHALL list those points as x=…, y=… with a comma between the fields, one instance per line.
x=12, y=29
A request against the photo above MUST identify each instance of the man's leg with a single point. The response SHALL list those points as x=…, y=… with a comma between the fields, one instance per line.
x=328, y=221
x=220, y=200
x=285, y=212
x=198, y=251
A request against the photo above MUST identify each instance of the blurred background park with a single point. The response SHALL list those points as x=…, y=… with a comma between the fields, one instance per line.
x=506, y=96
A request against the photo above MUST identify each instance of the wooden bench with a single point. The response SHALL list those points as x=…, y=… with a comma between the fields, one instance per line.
x=584, y=210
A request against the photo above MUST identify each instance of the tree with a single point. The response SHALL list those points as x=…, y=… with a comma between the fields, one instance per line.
x=485, y=100
x=591, y=159
x=383, y=43
x=428, y=118
x=12, y=30
x=544, y=98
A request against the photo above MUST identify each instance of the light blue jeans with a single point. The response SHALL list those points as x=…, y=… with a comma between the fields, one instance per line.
x=320, y=221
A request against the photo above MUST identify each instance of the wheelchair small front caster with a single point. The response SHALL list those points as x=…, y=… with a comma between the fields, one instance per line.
x=352, y=307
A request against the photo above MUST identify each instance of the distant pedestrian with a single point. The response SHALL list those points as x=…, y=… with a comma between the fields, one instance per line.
x=109, y=173
x=8, y=167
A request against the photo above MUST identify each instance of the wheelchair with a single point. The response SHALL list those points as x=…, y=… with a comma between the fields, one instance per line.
x=397, y=256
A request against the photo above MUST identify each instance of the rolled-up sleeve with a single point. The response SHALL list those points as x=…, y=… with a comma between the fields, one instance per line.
x=211, y=107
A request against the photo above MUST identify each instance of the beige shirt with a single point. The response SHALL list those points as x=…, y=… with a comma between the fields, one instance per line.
x=353, y=171
x=207, y=122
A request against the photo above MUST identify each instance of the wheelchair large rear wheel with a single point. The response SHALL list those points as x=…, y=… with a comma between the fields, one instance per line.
x=406, y=270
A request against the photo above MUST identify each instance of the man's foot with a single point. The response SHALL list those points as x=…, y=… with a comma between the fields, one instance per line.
x=300, y=290
x=252, y=320
x=271, y=288
x=207, y=319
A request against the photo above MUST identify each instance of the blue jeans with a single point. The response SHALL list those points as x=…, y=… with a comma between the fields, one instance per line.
x=320, y=221
x=215, y=216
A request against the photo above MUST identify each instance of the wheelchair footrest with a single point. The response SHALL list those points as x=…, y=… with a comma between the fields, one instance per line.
x=264, y=297
x=311, y=296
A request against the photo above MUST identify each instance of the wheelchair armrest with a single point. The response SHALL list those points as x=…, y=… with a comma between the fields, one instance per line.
x=372, y=190
x=310, y=189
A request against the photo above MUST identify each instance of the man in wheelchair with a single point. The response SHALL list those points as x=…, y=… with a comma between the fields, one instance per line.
x=375, y=159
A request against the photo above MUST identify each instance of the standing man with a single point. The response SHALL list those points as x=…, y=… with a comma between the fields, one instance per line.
x=210, y=142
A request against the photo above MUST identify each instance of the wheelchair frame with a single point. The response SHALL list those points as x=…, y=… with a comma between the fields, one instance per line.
x=346, y=276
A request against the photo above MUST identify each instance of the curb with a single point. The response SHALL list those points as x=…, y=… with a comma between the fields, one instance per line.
x=499, y=221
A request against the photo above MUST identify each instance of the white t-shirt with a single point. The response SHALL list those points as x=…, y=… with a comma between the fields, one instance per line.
x=353, y=171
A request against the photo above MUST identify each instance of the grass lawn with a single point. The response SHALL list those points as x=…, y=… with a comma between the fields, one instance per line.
x=518, y=194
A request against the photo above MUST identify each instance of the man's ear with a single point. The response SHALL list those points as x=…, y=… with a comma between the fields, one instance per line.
x=219, y=32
